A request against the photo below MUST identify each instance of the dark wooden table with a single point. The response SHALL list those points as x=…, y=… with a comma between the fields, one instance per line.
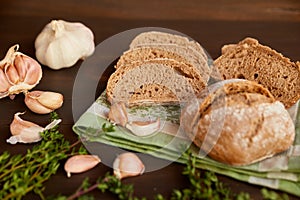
x=212, y=23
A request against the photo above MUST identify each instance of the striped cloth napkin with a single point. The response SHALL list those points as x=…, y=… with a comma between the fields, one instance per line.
x=280, y=172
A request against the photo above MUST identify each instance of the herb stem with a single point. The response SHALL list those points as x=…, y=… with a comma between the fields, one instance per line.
x=82, y=192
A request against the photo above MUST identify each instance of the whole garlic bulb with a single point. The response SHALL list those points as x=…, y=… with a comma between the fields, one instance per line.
x=61, y=44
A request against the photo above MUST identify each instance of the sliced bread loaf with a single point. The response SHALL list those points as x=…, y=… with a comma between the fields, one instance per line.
x=239, y=123
x=174, y=52
x=155, y=37
x=153, y=81
x=179, y=70
x=252, y=61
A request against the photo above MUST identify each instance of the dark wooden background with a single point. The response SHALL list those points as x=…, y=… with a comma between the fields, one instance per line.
x=212, y=23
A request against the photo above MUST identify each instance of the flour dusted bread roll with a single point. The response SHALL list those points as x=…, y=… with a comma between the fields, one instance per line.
x=252, y=61
x=239, y=123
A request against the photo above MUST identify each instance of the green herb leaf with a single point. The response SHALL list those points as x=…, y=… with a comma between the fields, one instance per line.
x=21, y=174
x=108, y=128
x=271, y=195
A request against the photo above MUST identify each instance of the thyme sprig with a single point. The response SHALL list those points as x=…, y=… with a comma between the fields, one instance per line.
x=107, y=183
x=203, y=185
x=21, y=174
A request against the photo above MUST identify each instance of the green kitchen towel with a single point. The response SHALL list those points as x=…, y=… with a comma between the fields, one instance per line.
x=278, y=172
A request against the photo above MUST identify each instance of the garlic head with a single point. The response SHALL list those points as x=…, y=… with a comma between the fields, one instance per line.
x=61, y=44
x=18, y=73
x=43, y=102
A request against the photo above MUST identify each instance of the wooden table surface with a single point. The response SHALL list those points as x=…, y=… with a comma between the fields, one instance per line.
x=212, y=23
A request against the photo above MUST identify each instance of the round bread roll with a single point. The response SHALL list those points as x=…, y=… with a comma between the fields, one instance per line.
x=238, y=123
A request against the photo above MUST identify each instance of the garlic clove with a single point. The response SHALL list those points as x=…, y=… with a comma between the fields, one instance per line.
x=80, y=163
x=12, y=74
x=61, y=44
x=27, y=135
x=143, y=128
x=33, y=69
x=25, y=131
x=19, y=73
x=19, y=124
x=127, y=165
x=34, y=105
x=51, y=100
x=4, y=85
x=118, y=114
x=43, y=102
x=21, y=67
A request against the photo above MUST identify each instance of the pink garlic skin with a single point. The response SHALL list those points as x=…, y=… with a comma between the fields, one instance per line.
x=128, y=165
x=80, y=163
x=43, y=102
x=18, y=73
x=18, y=125
x=27, y=132
x=118, y=114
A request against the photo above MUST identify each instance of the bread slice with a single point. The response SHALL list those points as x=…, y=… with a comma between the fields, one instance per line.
x=252, y=61
x=239, y=123
x=153, y=81
x=180, y=54
x=155, y=37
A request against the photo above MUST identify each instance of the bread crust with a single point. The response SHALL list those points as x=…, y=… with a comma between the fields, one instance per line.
x=239, y=123
x=252, y=61
x=176, y=74
x=158, y=38
x=185, y=59
x=162, y=51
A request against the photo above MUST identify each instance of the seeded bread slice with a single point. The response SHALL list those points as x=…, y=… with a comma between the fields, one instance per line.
x=155, y=37
x=239, y=123
x=153, y=81
x=180, y=54
x=252, y=61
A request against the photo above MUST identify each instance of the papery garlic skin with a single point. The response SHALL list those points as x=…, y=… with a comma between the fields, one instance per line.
x=143, y=128
x=43, y=102
x=80, y=163
x=127, y=165
x=27, y=132
x=18, y=73
x=61, y=44
x=118, y=114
